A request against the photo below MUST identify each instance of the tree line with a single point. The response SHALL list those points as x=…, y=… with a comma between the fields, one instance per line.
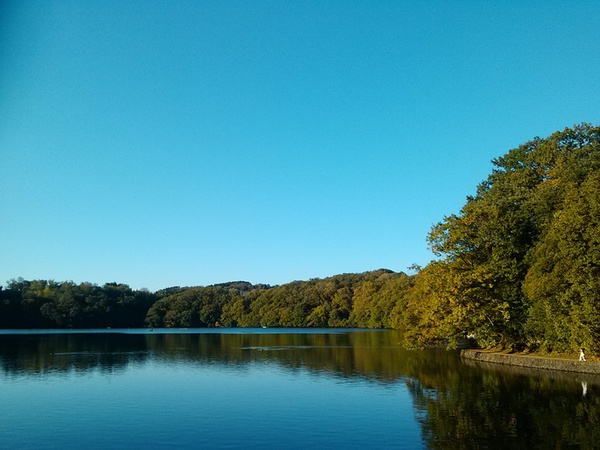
x=367, y=300
x=518, y=265
x=50, y=304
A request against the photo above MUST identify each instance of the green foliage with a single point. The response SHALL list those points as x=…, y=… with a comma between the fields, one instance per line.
x=48, y=304
x=379, y=303
x=198, y=306
x=371, y=300
x=564, y=279
x=519, y=263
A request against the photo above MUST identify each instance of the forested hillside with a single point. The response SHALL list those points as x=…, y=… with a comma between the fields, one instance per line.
x=370, y=300
x=518, y=265
x=50, y=304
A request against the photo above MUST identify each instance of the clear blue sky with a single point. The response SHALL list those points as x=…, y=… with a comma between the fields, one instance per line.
x=161, y=143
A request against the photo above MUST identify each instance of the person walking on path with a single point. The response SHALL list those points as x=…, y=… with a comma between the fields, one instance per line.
x=582, y=355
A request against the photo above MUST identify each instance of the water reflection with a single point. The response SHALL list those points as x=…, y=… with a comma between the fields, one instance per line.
x=495, y=406
x=457, y=404
x=36, y=355
x=375, y=355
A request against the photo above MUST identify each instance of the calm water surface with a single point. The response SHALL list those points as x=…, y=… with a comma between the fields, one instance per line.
x=276, y=388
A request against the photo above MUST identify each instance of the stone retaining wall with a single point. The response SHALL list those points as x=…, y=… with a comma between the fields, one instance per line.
x=535, y=362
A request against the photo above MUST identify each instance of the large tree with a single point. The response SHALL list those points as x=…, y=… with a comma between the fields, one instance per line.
x=487, y=250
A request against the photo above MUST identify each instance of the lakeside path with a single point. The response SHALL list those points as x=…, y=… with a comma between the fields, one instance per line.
x=534, y=362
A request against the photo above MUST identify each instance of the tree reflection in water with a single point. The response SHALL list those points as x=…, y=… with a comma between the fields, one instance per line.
x=492, y=406
x=459, y=405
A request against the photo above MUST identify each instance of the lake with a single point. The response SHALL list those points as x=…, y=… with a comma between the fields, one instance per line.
x=277, y=388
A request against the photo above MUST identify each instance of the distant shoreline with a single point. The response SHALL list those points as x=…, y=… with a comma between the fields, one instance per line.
x=529, y=361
